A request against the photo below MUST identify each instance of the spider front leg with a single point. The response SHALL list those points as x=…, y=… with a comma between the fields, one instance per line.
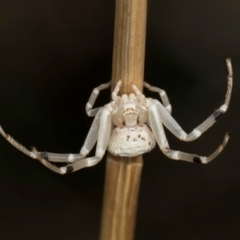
x=92, y=112
x=103, y=135
x=159, y=134
x=174, y=127
x=162, y=94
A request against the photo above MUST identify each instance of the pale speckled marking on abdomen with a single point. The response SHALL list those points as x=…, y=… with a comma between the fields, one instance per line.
x=131, y=141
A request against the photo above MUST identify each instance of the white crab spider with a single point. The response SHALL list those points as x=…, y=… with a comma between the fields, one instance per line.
x=129, y=126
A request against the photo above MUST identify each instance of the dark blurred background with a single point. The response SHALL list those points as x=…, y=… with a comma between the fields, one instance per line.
x=53, y=53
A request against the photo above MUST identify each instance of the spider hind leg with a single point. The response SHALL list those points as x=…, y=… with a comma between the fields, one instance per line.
x=159, y=134
x=178, y=155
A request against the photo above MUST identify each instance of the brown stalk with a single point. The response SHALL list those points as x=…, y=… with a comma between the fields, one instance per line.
x=123, y=174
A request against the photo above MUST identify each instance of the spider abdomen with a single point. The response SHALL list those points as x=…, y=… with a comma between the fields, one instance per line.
x=131, y=141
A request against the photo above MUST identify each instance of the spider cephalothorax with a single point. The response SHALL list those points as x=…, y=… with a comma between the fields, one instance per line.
x=128, y=126
x=130, y=136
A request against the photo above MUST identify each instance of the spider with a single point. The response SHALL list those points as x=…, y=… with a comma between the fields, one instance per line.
x=128, y=126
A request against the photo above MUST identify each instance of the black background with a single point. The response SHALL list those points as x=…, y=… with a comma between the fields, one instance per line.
x=53, y=53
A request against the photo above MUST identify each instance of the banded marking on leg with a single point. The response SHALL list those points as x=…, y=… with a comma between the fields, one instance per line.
x=218, y=114
x=197, y=159
x=69, y=169
x=44, y=155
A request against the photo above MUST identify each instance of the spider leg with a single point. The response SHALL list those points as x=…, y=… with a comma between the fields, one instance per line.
x=92, y=112
x=162, y=94
x=54, y=157
x=86, y=148
x=174, y=127
x=86, y=162
x=17, y=145
x=116, y=90
x=104, y=131
x=189, y=157
x=139, y=94
x=158, y=132
x=57, y=157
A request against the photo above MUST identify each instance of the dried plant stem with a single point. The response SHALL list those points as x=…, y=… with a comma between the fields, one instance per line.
x=123, y=174
x=120, y=200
